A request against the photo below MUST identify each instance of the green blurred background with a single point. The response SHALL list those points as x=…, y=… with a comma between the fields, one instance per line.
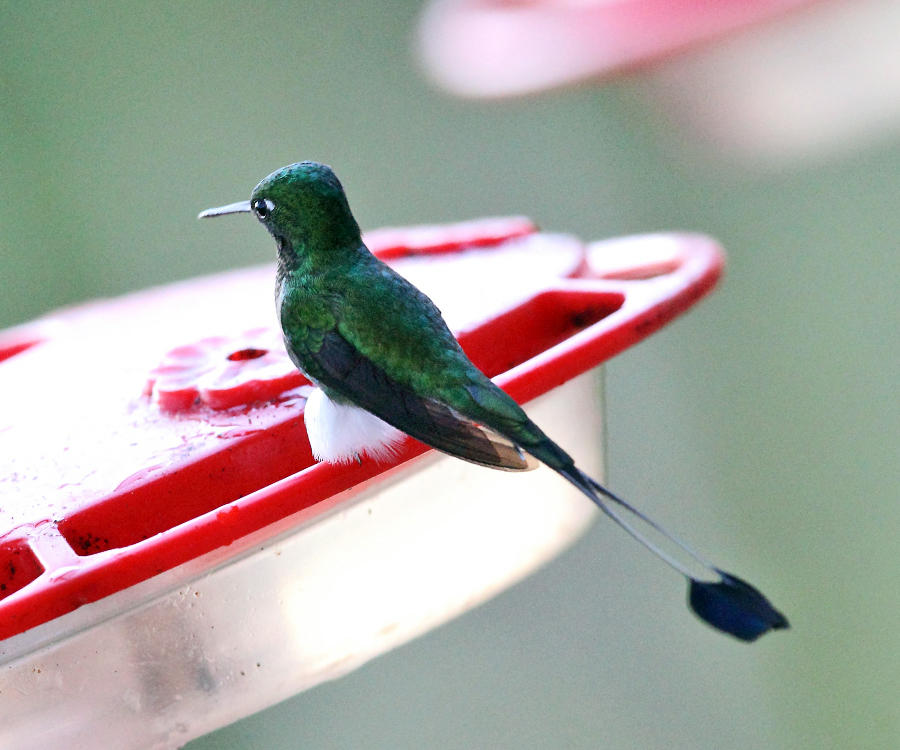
x=763, y=425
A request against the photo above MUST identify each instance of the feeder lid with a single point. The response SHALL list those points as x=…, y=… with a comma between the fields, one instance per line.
x=141, y=433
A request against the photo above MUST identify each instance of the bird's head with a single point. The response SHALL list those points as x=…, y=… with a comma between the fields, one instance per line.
x=304, y=208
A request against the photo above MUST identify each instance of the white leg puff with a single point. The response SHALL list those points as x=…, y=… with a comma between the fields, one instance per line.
x=339, y=433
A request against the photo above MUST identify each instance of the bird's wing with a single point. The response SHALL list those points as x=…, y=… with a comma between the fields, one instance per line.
x=344, y=370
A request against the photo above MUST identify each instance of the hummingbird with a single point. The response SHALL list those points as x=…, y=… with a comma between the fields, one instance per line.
x=384, y=364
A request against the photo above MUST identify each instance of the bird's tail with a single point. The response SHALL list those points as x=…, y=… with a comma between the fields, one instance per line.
x=722, y=600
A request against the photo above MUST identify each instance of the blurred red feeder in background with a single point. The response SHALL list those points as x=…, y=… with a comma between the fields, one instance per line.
x=492, y=48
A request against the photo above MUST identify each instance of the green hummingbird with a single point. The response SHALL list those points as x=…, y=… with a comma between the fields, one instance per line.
x=384, y=364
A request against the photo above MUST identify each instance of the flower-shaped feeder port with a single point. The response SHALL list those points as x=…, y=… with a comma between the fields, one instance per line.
x=223, y=372
x=171, y=539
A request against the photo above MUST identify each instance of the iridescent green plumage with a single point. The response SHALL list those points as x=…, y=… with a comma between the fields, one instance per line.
x=339, y=305
x=369, y=339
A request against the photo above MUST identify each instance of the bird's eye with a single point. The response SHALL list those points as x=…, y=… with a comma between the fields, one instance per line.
x=262, y=207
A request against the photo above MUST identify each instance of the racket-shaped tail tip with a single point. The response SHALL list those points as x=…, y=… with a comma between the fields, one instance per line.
x=735, y=607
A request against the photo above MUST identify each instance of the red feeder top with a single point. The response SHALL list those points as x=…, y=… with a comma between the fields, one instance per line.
x=143, y=432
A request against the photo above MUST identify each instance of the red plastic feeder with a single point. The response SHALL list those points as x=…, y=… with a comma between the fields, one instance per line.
x=497, y=48
x=172, y=558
